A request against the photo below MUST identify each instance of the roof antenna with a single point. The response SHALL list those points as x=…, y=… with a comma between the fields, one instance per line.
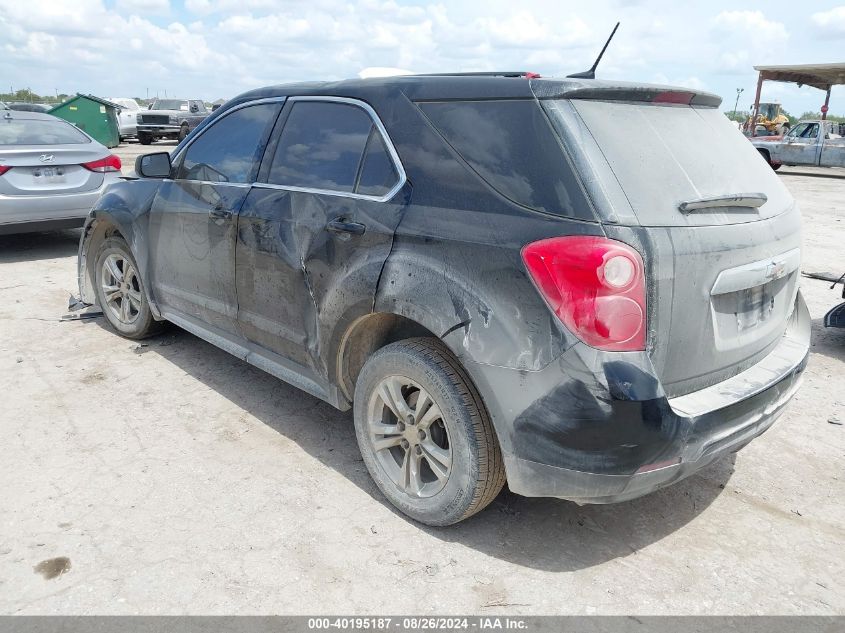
x=591, y=74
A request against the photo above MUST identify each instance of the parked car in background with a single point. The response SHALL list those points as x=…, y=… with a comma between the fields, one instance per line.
x=496, y=280
x=816, y=143
x=129, y=109
x=170, y=118
x=24, y=106
x=51, y=172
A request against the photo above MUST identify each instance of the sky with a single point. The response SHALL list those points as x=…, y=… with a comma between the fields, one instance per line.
x=214, y=49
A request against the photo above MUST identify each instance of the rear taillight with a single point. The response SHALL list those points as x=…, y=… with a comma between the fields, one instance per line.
x=109, y=163
x=595, y=286
x=4, y=169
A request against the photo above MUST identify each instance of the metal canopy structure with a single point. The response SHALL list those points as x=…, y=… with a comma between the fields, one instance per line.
x=821, y=76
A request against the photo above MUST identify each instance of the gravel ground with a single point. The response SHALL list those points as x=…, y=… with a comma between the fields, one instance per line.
x=173, y=478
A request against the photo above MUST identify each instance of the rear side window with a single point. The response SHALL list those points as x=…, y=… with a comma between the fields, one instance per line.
x=511, y=145
x=321, y=146
x=231, y=148
x=40, y=132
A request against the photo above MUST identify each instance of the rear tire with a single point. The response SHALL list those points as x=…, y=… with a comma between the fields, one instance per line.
x=144, y=138
x=424, y=433
x=120, y=291
x=765, y=155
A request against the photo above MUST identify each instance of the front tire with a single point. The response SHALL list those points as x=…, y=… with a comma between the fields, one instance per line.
x=120, y=291
x=183, y=132
x=144, y=138
x=424, y=433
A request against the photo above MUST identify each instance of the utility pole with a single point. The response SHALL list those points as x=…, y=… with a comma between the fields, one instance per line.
x=739, y=91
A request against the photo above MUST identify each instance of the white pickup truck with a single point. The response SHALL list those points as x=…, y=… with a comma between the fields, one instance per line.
x=805, y=145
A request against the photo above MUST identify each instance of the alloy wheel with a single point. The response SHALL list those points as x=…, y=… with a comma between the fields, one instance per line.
x=409, y=437
x=121, y=288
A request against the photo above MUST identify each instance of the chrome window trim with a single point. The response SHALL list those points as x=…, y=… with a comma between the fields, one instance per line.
x=178, y=156
x=391, y=150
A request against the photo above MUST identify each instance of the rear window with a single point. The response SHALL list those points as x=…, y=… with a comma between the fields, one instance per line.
x=39, y=132
x=511, y=145
x=663, y=155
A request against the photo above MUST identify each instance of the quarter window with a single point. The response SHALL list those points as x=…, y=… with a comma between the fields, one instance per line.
x=230, y=150
x=332, y=146
x=378, y=173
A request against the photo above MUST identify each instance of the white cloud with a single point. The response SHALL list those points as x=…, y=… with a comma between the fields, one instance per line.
x=143, y=7
x=215, y=48
x=753, y=25
x=830, y=23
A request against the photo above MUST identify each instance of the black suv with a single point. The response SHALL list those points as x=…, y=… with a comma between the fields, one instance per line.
x=587, y=289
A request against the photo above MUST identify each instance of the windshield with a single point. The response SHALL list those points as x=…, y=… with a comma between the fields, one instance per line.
x=769, y=110
x=170, y=104
x=40, y=132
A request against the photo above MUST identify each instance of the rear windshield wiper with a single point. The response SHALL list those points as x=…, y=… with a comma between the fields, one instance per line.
x=748, y=200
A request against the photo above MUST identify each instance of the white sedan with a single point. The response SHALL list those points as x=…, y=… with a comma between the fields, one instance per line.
x=51, y=172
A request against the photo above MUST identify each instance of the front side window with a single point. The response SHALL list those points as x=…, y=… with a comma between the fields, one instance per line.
x=231, y=148
x=321, y=146
x=812, y=131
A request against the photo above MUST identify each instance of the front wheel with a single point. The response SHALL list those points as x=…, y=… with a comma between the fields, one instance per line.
x=424, y=433
x=145, y=138
x=183, y=132
x=120, y=292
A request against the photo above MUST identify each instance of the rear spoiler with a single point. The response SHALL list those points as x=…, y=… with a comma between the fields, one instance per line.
x=609, y=91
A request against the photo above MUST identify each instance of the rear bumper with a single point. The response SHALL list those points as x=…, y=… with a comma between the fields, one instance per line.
x=603, y=431
x=19, y=212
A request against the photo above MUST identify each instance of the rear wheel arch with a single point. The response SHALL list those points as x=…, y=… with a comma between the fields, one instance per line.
x=365, y=336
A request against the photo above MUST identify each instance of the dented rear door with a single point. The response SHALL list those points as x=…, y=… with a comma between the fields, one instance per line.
x=314, y=234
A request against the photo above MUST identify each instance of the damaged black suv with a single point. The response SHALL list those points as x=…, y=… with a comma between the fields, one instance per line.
x=586, y=289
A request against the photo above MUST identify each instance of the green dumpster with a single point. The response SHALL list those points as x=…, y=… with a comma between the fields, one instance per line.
x=97, y=117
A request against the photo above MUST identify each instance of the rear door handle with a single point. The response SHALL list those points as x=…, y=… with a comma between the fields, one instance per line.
x=341, y=225
x=219, y=213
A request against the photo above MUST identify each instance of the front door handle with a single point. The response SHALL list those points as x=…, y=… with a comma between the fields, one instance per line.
x=219, y=213
x=341, y=225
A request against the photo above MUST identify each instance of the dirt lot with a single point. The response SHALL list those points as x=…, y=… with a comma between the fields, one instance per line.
x=173, y=478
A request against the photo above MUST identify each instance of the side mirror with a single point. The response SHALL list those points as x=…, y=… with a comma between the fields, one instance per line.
x=195, y=108
x=155, y=165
